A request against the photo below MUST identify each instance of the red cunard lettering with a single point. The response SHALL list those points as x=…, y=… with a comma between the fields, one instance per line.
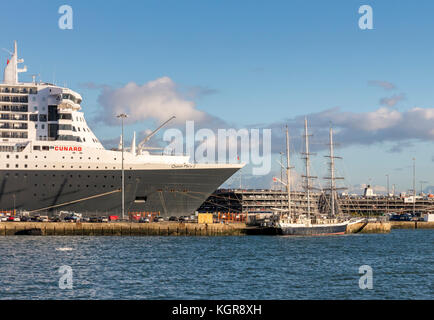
x=56, y=148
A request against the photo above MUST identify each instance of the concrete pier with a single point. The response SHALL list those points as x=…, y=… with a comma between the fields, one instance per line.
x=120, y=229
x=412, y=225
x=370, y=227
x=159, y=229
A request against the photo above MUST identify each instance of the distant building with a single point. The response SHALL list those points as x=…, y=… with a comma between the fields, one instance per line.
x=260, y=200
x=369, y=192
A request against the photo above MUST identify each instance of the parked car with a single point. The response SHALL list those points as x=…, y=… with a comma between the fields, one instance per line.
x=3, y=219
x=173, y=218
x=24, y=219
x=144, y=220
x=158, y=219
x=103, y=219
x=400, y=217
x=93, y=219
x=184, y=219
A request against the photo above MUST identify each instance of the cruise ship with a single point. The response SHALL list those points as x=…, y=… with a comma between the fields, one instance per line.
x=50, y=160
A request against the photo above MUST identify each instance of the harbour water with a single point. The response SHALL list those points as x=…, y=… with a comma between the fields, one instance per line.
x=244, y=267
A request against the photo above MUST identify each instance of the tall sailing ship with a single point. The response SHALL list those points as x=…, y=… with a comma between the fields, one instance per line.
x=293, y=222
x=51, y=160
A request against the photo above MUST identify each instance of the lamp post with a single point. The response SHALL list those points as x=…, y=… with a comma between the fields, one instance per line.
x=123, y=116
x=421, y=185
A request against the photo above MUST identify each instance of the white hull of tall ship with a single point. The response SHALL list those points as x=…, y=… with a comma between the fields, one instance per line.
x=315, y=229
x=50, y=160
x=304, y=229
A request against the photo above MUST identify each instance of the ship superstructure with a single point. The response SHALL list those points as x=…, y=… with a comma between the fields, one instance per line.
x=51, y=160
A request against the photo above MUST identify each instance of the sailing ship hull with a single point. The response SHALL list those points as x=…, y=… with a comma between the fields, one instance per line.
x=313, y=230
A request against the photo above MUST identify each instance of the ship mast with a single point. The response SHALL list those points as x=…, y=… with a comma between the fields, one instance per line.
x=332, y=177
x=288, y=173
x=307, y=175
x=332, y=174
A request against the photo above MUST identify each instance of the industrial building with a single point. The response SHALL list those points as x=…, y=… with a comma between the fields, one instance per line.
x=263, y=200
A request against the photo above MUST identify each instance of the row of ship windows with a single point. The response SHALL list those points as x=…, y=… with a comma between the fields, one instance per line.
x=54, y=166
x=71, y=97
x=34, y=117
x=18, y=90
x=18, y=108
x=44, y=148
x=22, y=99
x=18, y=135
x=25, y=99
x=13, y=125
x=24, y=108
x=25, y=175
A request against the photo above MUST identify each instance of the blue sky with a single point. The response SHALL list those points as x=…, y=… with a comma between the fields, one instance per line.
x=254, y=62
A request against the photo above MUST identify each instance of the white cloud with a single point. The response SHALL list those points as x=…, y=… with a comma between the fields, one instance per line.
x=157, y=100
x=393, y=100
x=382, y=84
x=361, y=128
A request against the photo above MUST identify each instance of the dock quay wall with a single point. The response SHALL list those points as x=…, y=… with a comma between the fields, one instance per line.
x=371, y=227
x=412, y=225
x=172, y=228
x=120, y=229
